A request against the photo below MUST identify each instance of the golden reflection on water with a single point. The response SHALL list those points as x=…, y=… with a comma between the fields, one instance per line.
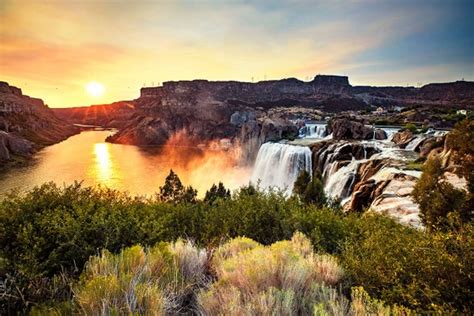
x=103, y=171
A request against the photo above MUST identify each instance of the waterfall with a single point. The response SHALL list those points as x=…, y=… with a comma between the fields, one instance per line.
x=340, y=183
x=313, y=130
x=415, y=143
x=390, y=131
x=278, y=165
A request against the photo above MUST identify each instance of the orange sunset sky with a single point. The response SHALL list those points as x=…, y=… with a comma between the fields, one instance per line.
x=52, y=49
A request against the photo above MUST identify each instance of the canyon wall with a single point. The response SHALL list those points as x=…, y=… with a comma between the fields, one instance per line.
x=27, y=124
x=249, y=114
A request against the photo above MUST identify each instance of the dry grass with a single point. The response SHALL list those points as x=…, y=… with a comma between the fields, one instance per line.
x=159, y=280
x=282, y=279
x=285, y=278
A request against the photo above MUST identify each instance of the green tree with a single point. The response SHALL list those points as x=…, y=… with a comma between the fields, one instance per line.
x=460, y=142
x=436, y=197
x=216, y=192
x=310, y=190
x=173, y=191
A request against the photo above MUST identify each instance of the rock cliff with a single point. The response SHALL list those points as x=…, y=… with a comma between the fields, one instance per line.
x=26, y=124
x=248, y=112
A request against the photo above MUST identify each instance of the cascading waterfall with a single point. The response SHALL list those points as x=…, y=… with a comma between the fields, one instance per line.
x=390, y=132
x=313, y=130
x=415, y=142
x=278, y=165
x=340, y=183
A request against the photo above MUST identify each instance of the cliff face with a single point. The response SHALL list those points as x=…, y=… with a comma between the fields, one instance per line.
x=249, y=113
x=27, y=124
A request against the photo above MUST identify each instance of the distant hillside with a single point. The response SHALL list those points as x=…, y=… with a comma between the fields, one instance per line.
x=242, y=110
x=27, y=124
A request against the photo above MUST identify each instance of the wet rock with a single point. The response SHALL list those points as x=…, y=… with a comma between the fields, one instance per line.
x=345, y=128
x=380, y=134
x=430, y=144
x=402, y=138
x=395, y=200
x=363, y=196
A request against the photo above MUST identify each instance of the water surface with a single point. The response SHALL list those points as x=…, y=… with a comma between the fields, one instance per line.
x=87, y=157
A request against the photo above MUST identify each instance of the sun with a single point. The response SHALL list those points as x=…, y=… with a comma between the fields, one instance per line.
x=95, y=89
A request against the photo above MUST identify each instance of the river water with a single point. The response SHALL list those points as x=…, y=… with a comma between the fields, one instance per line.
x=87, y=157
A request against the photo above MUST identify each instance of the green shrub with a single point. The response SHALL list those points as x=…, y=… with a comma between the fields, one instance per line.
x=284, y=278
x=47, y=235
x=162, y=279
x=310, y=189
x=436, y=197
x=411, y=127
x=417, y=269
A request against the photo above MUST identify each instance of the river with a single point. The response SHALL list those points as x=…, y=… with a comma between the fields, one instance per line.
x=88, y=158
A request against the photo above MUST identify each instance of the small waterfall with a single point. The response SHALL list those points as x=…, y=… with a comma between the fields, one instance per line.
x=313, y=130
x=340, y=183
x=390, y=131
x=278, y=165
x=415, y=143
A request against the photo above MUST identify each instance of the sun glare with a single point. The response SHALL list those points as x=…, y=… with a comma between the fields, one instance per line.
x=95, y=89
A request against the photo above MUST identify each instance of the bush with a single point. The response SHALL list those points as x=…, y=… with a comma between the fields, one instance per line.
x=436, y=197
x=284, y=278
x=310, y=189
x=411, y=127
x=47, y=235
x=160, y=280
x=420, y=270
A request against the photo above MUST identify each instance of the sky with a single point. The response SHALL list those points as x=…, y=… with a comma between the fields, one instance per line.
x=53, y=49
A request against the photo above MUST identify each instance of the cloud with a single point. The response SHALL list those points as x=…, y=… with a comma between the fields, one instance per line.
x=60, y=45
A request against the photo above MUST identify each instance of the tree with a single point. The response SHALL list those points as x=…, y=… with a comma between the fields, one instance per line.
x=173, y=190
x=310, y=190
x=216, y=192
x=436, y=197
x=460, y=142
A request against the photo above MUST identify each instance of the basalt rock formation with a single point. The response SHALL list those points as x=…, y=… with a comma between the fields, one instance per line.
x=27, y=124
x=247, y=113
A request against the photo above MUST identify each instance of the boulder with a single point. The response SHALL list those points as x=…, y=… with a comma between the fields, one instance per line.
x=430, y=144
x=402, y=138
x=380, y=134
x=14, y=145
x=4, y=152
x=345, y=128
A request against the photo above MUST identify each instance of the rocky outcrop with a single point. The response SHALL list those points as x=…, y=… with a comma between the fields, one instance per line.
x=402, y=138
x=395, y=199
x=213, y=110
x=347, y=128
x=14, y=145
x=115, y=115
x=27, y=124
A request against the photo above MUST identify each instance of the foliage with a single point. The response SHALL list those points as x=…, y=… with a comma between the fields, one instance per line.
x=414, y=165
x=284, y=278
x=436, y=197
x=159, y=280
x=310, y=189
x=421, y=270
x=173, y=190
x=216, y=192
x=460, y=142
x=411, y=127
x=48, y=234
